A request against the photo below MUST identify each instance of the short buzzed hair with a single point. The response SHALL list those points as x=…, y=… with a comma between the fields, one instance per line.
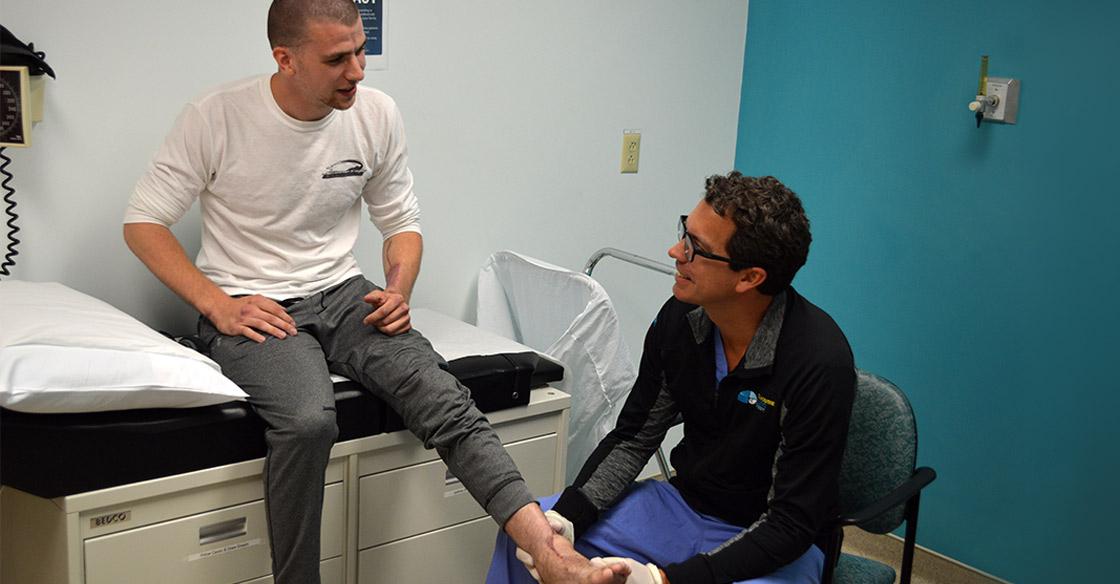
x=287, y=19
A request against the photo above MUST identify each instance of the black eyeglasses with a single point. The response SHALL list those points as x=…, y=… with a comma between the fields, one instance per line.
x=691, y=251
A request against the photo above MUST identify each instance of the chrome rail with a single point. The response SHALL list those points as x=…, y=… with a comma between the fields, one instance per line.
x=644, y=262
x=628, y=257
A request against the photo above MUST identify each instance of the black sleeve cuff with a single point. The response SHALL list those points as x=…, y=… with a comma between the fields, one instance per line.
x=694, y=570
x=576, y=507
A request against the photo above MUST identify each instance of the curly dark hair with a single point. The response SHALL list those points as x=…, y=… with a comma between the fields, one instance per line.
x=287, y=19
x=771, y=229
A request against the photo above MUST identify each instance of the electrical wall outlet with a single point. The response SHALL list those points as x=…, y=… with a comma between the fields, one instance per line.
x=631, y=148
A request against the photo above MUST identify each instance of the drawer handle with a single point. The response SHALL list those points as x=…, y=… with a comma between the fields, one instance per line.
x=214, y=532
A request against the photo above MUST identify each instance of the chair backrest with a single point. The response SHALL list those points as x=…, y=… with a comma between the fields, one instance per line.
x=531, y=301
x=568, y=316
x=882, y=449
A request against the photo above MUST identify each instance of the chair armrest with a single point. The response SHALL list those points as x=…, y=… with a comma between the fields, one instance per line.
x=917, y=481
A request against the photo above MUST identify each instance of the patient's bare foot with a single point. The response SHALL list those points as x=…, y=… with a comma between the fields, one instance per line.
x=567, y=566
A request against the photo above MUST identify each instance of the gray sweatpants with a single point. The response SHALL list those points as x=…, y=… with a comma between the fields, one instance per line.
x=289, y=386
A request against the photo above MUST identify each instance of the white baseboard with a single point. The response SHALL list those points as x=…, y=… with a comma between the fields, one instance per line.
x=918, y=549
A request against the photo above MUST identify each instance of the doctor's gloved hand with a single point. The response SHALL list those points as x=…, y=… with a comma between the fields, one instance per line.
x=561, y=526
x=639, y=573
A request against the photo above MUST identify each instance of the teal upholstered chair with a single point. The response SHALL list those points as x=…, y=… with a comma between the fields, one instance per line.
x=879, y=486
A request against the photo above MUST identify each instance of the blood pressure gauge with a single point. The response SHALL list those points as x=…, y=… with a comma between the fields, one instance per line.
x=15, y=113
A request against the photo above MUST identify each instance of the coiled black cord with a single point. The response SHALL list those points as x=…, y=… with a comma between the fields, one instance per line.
x=10, y=211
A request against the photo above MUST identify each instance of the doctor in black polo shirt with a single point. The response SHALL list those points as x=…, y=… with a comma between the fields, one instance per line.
x=763, y=381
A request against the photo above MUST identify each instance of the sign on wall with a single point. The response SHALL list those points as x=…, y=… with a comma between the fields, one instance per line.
x=373, y=21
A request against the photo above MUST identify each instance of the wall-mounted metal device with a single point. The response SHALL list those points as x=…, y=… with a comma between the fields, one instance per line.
x=997, y=98
x=15, y=110
x=21, y=105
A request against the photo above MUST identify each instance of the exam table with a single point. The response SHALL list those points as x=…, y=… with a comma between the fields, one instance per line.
x=175, y=495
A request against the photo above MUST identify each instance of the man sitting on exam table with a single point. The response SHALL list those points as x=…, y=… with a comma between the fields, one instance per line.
x=280, y=164
x=764, y=381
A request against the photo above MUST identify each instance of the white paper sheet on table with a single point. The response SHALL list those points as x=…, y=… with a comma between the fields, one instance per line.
x=453, y=338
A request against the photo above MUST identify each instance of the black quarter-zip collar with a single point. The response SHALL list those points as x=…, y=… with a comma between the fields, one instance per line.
x=760, y=354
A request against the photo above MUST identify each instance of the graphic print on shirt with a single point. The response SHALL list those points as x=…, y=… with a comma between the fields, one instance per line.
x=758, y=401
x=342, y=168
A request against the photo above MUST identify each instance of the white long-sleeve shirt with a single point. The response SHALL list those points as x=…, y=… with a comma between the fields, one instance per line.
x=280, y=198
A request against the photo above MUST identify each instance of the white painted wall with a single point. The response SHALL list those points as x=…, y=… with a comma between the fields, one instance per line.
x=514, y=113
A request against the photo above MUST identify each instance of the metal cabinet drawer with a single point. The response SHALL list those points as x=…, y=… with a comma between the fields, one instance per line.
x=408, y=501
x=224, y=546
x=330, y=572
x=455, y=554
x=410, y=451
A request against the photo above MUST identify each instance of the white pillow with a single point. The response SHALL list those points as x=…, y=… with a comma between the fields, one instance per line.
x=62, y=351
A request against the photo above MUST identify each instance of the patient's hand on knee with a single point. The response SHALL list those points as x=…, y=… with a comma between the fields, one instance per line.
x=390, y=314
x=252, y=317
x=562, y=564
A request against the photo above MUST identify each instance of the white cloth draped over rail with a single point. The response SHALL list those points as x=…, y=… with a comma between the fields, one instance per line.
x=569, y=317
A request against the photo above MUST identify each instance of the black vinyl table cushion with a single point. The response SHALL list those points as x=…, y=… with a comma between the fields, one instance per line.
x=52, y=455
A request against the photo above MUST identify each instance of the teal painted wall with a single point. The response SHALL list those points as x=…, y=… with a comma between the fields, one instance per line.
x=976, y=268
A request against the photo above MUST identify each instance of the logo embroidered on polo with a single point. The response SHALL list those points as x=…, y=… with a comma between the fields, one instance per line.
x=348, y=167
x=751, y=398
